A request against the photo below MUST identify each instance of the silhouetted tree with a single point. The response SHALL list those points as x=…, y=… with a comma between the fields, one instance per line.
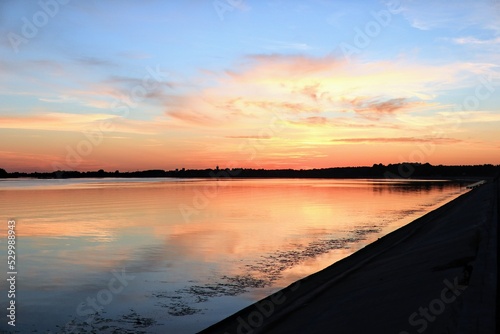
x=399, y=170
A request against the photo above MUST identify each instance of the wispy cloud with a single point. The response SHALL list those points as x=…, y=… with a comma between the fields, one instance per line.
x=282, y=107
x=249, y=137
x=52, y=121
x=269, y=64
x=192, y=117
x=94, y=61
x=312, y=121
x=12, y=160
x=442, y=119
x=135, y=55
x=58, y=99
x=66, y=122
x=476, y=41
x=32, y=66
x=376, y=108
x=130, y=81
x=280, y=46
x=399, y=140
x=456, y=15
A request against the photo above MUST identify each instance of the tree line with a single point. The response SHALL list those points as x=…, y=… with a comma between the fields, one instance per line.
x=400, y=170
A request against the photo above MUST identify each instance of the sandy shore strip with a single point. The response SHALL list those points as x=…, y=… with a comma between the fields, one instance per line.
x=437, y=274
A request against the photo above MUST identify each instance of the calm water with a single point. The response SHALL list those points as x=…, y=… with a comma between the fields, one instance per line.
x=174, y=256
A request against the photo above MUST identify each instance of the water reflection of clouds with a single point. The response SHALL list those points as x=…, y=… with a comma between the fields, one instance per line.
x=73, y=238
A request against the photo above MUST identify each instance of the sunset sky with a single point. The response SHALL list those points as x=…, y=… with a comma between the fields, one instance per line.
x=134, y=85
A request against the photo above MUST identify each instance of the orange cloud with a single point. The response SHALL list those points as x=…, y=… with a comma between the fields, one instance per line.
x=249, y=137
x=444, y=141
x=102, y=123
x=53, y=121
x=375, y=108
x=312, y=121
x=272, y=111
x=291, y=85
x=294, y=65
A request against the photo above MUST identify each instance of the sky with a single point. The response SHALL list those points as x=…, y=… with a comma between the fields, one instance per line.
x=136, y=85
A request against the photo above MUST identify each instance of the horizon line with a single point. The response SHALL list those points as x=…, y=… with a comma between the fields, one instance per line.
x=217, y=168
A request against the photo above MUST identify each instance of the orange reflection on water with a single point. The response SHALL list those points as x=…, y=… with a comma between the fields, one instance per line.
x=206, y=219
x=170, y=233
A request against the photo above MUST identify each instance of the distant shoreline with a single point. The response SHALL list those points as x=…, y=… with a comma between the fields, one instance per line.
x=423, y=179
x=378, y=171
